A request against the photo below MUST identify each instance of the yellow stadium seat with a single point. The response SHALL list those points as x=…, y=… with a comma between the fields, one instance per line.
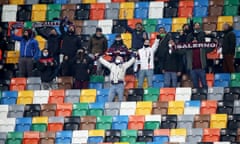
x=222, y=20
x=121, y=143
x=39, y=12
x=127, y=39
x=177, y=23
x=96, y=133
x=176, y=107
x=218, y=121
x=25, y=97
x=40, y=120
x=18, y=2
x=89, y=1
x=41, y=42
x=12, y=57
x=178, y=132
x=88, y=95
x=178, y=135
x=126, y=10
x=143, y=108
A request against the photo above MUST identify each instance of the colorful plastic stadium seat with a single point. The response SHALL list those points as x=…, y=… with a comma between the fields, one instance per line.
x=222, y=20
x=129, y=136
x=55, y=124
x=177, y=24
x=106, y=26
x=218, y=121
x=127, y=108
x=64, y=110
x=192, y=107
x=176, y=107
x=231, y=7
x=151, y=94
x=56, y=97
x=99, y=9
x=160, y=108
x=9, y=13
x=65, y=82
x=167, y=94
x=211, y=135
x=161, y=135
x=53, y=11
x=136, y=122
x=201, y=8
x=18, y=84
x=14, y=137
x=96, y=109
x=80, y=136
x=25, y=97
x=23, y=124
x=152, y=122
x=39, y=124
x=39, y=12
x=48, y=109
x=3, y=111
x=89, y=1
x=235, y=79
x=155, y=10
x=141, y=10
x=143, y=108
x=63, y=137
x=185, y=8
x=150, y=25
x=96, y=136
x=41, y=42
x=222, y=80
x=9, y=97
x=47, y=137
x=68, y=10
x=104, y=122
x=183, y=94
x=127, y=39
x=120, y=122
x=166, y=23
x=88, y=123
x=208, y=107
x=88, y=95
x=112, y=10
x=178, y=135
x=31, y=138
x=201, y=121
x=126, y=10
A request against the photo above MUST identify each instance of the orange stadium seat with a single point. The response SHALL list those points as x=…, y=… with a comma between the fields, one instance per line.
x=167, y=94
x=18, y=84
x=56, y=97
x=97, y=11
x=64, y=110
x=136, y=122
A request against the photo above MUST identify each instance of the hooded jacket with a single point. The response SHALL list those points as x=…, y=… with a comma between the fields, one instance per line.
x=98, y=44
x=28, y=47
x=70, y=43
x=46, y=70
x=229, y=42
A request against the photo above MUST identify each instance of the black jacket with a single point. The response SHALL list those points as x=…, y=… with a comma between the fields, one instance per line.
x=172, y=62
x=82, y=68
x=163, y=46
x=70, y=43
x=46, y=71
x=229, y=42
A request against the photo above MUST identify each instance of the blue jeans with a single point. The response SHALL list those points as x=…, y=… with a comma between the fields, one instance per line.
x=145, y=73
x=170, y=77
x=196, y=75
x=116, y=89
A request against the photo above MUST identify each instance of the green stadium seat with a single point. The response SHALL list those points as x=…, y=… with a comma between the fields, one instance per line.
x=230, y=10
x=196, y=20
x=150, y=25
x=53, y=11
x=39, y=127
x=14, y=138
x=235, y=80
x=96, y=79
x=151, y=94
x=152, y=122
x=80, y=109
x=128, y=136
x=104, y=122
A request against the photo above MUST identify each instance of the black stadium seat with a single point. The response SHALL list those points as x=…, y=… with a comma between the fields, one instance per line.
x=71, y=123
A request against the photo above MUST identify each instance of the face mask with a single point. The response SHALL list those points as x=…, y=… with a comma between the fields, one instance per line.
x=146, y=46
x=196, y=31
x=117, y=61
x=1, y=66
x=162, y=35
x=45, y=54
x=170, y=45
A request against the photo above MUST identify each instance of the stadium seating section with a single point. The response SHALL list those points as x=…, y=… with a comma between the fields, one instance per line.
x=157, y=115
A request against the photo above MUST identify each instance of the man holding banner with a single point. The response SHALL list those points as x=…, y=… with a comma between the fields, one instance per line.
x=196, y=56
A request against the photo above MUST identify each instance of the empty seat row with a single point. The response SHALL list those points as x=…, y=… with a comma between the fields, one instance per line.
x=123, y=136
x=123, y=108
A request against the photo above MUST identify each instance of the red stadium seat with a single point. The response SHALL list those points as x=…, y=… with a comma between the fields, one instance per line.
x=97, y=11
x=18, y=84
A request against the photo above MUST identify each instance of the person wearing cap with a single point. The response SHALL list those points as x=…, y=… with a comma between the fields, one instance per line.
x=29, y=52
x=70, y=45
x=97, y=46
x=146, y=61
x=139, y=35
x=117, y=74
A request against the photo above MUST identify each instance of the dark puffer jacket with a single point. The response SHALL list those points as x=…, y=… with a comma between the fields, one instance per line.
x=229, y=42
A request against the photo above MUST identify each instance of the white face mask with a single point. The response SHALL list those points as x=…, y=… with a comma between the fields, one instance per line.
x=1, y=66
x=117, y=61
x=170, y=45
x=45, y=54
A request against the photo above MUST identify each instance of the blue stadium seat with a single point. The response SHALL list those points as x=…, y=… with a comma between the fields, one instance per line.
x=120, y=122
x=23, y=124
x=111, y=39
x=96, y=109
x=60, y=1
x=158, y=81
x=161, y=139
x=141, y=10
x=63, y=137
x=95, y=85
x=237, y=33
x=166, y=23
x=97, y=105
x=222, y=79
x=95, y=139
x=102, y=95
x=9, y=97
x=201, y=8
